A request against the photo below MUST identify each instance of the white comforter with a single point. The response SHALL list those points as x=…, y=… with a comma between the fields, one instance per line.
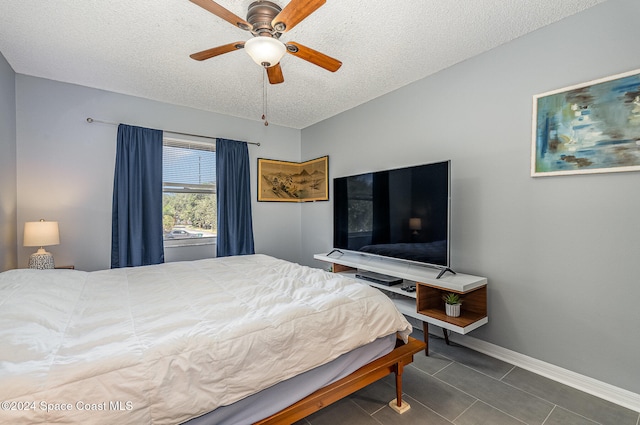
x=163, y=344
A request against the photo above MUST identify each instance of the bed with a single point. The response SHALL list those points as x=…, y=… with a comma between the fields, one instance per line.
x=186, y=341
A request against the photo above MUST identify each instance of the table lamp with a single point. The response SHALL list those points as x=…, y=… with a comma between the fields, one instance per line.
x=41, y=233
x=415, y=224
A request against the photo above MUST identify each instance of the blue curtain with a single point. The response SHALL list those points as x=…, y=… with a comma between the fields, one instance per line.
x=235, y=229
x=136, y=230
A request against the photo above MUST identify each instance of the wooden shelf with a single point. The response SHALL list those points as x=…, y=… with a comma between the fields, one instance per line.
x=465, y=319
x=430, y=303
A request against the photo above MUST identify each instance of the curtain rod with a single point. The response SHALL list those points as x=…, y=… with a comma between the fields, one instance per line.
x=91, y=120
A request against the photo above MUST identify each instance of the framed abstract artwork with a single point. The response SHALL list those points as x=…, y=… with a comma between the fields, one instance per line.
x=283, y=181
x=588, y=128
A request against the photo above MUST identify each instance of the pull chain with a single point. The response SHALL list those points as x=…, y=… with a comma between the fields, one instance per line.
x=264, y=97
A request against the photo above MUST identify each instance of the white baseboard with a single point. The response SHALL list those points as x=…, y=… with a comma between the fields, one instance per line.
x=575, y=380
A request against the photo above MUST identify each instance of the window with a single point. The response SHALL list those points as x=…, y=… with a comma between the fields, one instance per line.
x=189, y=210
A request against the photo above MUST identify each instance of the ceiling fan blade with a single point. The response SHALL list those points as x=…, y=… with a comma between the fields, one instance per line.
x=209, y=53
x=223, y=13
x=275, y=74
x=313, y=56
x=294, y=12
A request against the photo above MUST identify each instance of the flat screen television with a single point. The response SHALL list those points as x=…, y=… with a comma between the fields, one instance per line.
x=402, y=213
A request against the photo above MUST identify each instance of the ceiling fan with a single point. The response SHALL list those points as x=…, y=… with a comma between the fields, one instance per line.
x=267, y=22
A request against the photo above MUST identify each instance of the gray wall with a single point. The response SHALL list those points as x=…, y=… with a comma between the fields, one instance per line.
x=8, y=249
x=65, y=165
x=561, y=253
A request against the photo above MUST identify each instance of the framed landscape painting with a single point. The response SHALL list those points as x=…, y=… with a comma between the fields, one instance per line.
x=588, y=128
x=283, y=181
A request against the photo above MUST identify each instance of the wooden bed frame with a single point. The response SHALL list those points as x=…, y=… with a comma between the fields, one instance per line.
x=393, y=362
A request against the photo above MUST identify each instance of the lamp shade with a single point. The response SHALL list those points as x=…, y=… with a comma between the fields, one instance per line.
x=41, y=233
x=264, y=50
x=415, y=223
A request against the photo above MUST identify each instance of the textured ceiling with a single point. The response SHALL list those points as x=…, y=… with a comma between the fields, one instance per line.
x=142, y=48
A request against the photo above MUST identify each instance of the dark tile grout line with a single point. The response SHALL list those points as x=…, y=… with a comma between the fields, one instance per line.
x=452, y=343
x=517, y=388
x=471, y=395
x=476, y=400
x=554, y=405
x=414, y=400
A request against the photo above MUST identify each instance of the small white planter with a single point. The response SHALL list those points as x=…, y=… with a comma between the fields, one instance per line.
x=452, y=310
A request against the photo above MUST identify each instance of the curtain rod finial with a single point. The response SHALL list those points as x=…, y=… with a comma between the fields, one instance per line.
x=89, y=120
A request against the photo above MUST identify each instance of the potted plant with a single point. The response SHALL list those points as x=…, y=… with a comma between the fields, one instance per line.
x=452, y=303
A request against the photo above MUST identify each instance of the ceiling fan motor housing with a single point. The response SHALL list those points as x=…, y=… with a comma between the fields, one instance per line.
x=260, y=15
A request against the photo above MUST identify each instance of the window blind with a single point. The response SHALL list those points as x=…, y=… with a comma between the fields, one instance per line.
x=188, y=166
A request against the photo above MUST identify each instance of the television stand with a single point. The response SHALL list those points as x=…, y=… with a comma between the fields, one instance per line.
x=425, y=304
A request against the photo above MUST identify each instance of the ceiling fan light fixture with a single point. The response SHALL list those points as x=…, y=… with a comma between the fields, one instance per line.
x=265, y=50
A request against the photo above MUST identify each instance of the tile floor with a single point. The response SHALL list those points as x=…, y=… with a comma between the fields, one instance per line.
x=456, y=385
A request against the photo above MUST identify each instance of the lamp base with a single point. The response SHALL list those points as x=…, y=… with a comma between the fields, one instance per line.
x=41, y=260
